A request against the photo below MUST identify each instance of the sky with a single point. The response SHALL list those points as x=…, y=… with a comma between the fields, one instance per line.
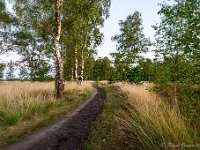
x=120, y=9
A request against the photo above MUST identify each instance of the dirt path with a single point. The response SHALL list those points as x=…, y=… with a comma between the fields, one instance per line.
x=71, y=132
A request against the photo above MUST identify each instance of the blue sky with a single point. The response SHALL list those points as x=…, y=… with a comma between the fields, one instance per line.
x=120, y=9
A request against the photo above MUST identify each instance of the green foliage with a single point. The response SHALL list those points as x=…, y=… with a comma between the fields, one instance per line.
x=2, y=67
x=102, y=69
x=183, y=71
x=82, y=33
x=10, y=72
x=34, y=64
x=4, y=15
x=7, y=21
x=178, y=30
x=130, y=43
x=88, y=68
x=177, y=40
x=34, y=32
x=134, y=75
x=120, y=67
x=188, y=100
x=12, y=119
x=144, y=71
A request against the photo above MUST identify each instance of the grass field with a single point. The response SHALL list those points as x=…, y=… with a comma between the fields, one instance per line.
x=136, y=118
x=26, y=106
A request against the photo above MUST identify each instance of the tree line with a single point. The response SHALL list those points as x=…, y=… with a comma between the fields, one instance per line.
x=60, y=38
x=177, y=46
x=64, y=33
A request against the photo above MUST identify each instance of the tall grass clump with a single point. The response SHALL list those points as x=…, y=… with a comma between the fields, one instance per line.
x=147, y=122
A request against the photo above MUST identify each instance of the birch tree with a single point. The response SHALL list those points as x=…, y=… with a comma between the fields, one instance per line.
x=59, y=81
x=177, y=41
x=84, y=34
x=43, y=19
x=131, y=42
x=177, y=35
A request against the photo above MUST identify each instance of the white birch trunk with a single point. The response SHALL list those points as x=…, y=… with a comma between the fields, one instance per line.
x=76, y=64
x=82, y=65
x=82, y=59
x=59, y=79
x=72, y=74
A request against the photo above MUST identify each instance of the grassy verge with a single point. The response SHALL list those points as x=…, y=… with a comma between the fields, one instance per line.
x=26, y=106
x=105, y=133
x=139, y=119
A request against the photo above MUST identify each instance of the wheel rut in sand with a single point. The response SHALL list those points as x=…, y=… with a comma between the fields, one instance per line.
x=70, y=132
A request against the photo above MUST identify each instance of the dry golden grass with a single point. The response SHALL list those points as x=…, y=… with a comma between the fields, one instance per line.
x=25, y=106
x=21, y=90
x=22, y=98
x=148, y=122
x=74, y=85
x=104, y=82
x=17, y=92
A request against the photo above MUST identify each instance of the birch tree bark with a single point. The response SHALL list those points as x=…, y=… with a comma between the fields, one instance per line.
x=76, y=64
x=72, y=74
x=82, y=65
x=82, y=58
x=59, y=79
